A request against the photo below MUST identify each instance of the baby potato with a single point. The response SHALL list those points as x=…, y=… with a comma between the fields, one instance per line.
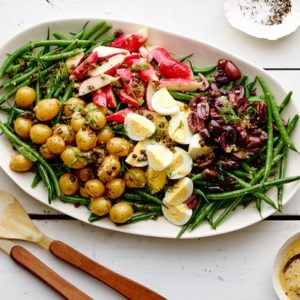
x=94, y=188
x=47, y=109
x=92, y=106
x=22, y=127
x=20, y=163
x=77, y=121
x=56, y=144
x=39, y=133
x=65, y=131
x=104, y=135
x=85, y=173
x=73, y=105
x=83, y=192
x=46, y=153
x=25, y=96
x=86, y=139
x=135, y=178
x=121, y=212
x=69, y=184
x=73, y=158
x=118, y=147
x=96, y=119
x=109, y=168
x=100, y=206
x=115, y=188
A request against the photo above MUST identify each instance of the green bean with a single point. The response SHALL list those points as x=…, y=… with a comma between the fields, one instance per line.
x=243, y=81
x=204, y=71
x=242, y=174
x=269, y=155
x=144, y=207
x=59, y=89
x=74, y=200
x=149, y=197
x=227, y=211
x=103, y=30
x=36, y=180
x=270, y=99
x=18, y=111
x=255, y=99
x=32, y=45
x=215, y=208
x=246, y=167
x=285, y=102
x=93, y=30
x=249, y=88
x=181, y=96
x=258, y=195
x=201, y=215
x=46, y=180
x=289, y=129
x=53, y=57
x=143, y=217
x=66, y=96
x=201, y=183
x=254, y=188
x=201, y=194
x=94, y=218
x=18, y=78
x=196, y=176
x=11, y=118
x=46, y=48
x=182, y=59
x=132, y=197
x=38, y=91
x=282, y=172
x=24, y=151
x=59, y=36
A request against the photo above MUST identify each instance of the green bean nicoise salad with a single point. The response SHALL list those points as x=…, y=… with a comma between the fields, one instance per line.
x=120, y=126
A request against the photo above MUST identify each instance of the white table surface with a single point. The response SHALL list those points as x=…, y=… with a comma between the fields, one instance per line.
x=232, y=266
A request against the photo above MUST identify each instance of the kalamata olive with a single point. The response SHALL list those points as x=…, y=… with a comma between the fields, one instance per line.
x=254, y=141
x=195, y=123
x=104, y=135
x=109, y=168
x=135, y=178
x=20, y=163
x=39, y=133
x=214, y=90
x=210, y=174
x=202, y=110
x=77, y=121
x=73, y=105
x=85, y=173
x=68, y=184
x=119, y=147
x=22, y=127
x=121, y=212
x=100, y=206
x=55, y=144
x=204, y=161
x=222, y=62
x=214, y=127
x=94, y=188
x=231, y=70
x=192, y=201
x=46, y=153
x=241, y=154
x=25, y=97
x=65, y=131
x=261, y=111
x=205, y=134
x=221, y=76
x=86, y=139
x=229, y=164
x=197, y=99
x=47, y=109
x=115, y=188
x=74, y=158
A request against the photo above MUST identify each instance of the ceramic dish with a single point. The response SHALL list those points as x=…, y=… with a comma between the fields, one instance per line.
x=204, y=55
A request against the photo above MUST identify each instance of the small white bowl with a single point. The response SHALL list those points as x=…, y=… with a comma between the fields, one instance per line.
x=237, y=19
x=277, y=262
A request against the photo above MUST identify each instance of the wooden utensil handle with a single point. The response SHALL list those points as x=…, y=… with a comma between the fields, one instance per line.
x=125, y=286
x=39, y=269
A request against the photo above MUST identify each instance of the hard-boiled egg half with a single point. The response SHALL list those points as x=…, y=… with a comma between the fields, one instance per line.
x=159, y=156
x=181, y=165
x=138, y=157
x=179, y=129
x=163, y=103
x=179, y=192
x=196, y=149
x=177, y=214
x=138, y=127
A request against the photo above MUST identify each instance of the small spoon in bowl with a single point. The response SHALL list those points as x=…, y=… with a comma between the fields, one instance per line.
x=16, y=224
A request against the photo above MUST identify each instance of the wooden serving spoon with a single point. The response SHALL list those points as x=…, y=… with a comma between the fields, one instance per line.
x=16, y=224
x=28, y=261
